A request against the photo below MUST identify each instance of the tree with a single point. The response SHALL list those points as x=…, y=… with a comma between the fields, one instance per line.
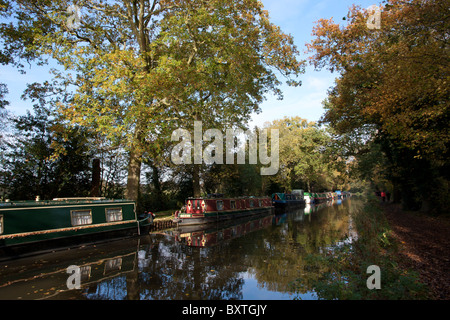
x=142, y=67
x=306, y=158
x=392, y=85
x=32, y=168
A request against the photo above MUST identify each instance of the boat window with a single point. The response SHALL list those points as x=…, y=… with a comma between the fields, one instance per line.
x=1, y=224
x=260, y=203
x=232, y=204
x=81, y=217
x=114, y=214
x=219, y=204
x=251, y=203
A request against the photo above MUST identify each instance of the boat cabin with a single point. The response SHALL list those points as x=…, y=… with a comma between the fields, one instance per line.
x=203, y=205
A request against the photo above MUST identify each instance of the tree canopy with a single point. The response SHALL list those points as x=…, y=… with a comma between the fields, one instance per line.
x=393, y=87
x=140, y=68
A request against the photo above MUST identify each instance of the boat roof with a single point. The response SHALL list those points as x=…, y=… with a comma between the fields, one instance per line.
x=226, y=198
x=59, y=201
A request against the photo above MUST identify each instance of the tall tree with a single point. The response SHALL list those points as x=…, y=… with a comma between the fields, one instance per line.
x=393, y=77
x=306, y=157
x=393, y=84
x=32, y=168
x=144, y=66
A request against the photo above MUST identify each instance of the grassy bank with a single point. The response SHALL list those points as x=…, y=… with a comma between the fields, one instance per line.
x=344, y=269
x=167, y=214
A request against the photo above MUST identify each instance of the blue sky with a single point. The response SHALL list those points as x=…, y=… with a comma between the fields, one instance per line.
x=296, y=17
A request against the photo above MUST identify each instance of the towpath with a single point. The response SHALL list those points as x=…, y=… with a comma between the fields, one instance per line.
x=424, y=247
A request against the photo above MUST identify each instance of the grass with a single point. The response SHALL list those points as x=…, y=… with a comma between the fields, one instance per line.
x=166, y=214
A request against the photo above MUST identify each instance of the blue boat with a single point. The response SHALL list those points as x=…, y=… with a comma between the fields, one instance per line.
x=284, y=200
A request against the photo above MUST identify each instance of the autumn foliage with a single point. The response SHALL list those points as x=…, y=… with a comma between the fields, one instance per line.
x=393, y=84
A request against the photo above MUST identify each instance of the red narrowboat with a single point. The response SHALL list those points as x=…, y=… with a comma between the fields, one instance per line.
x=216, y=208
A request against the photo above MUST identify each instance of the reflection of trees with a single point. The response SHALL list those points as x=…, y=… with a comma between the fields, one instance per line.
x=182, y=272
x=287, y=252
x=277, y=256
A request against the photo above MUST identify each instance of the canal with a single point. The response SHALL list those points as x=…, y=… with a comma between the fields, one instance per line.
x=252, y=259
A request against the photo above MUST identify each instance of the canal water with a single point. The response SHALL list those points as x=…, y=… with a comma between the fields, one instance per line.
x=252, y=259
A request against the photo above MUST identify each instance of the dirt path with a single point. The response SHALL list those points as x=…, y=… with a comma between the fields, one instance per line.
x=425, y=247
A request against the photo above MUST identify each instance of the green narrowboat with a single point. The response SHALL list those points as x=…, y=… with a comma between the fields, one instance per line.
x=309, y=198
x=32, y=226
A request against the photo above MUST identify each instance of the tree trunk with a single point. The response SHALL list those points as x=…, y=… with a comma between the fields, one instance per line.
x=95, y=183
x=134, y=165
x=196, y=168
x=161, y=203
x=134, y=176
x=155, y=180
x=196, y=180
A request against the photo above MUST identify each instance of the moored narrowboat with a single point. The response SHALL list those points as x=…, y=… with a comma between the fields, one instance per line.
x=215, y=208
x=309, y=198
x=31, y=226
x=284, y=200
x=320, y=197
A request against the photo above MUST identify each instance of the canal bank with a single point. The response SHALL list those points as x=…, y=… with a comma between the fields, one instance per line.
x=424, y=246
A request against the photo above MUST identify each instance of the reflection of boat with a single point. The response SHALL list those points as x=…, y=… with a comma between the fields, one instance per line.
x=33, y=226
x=311, y=208
x=279, y=219
x=308, y=208
x=216, y=208
x=48, y=275
x=210, y=235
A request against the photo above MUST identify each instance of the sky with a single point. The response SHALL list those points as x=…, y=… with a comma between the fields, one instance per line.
x=295, y=17
x=298, y=17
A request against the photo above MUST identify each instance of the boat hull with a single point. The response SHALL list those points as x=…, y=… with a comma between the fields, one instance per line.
x=281, y=204
x=218, y=216
x=65, y=241
x=288, y=200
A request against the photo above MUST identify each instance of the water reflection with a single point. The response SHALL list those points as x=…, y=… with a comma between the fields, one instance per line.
x=214, y=234
x=254, y=258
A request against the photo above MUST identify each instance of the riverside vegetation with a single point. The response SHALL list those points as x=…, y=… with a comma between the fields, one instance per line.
x=343, y=268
